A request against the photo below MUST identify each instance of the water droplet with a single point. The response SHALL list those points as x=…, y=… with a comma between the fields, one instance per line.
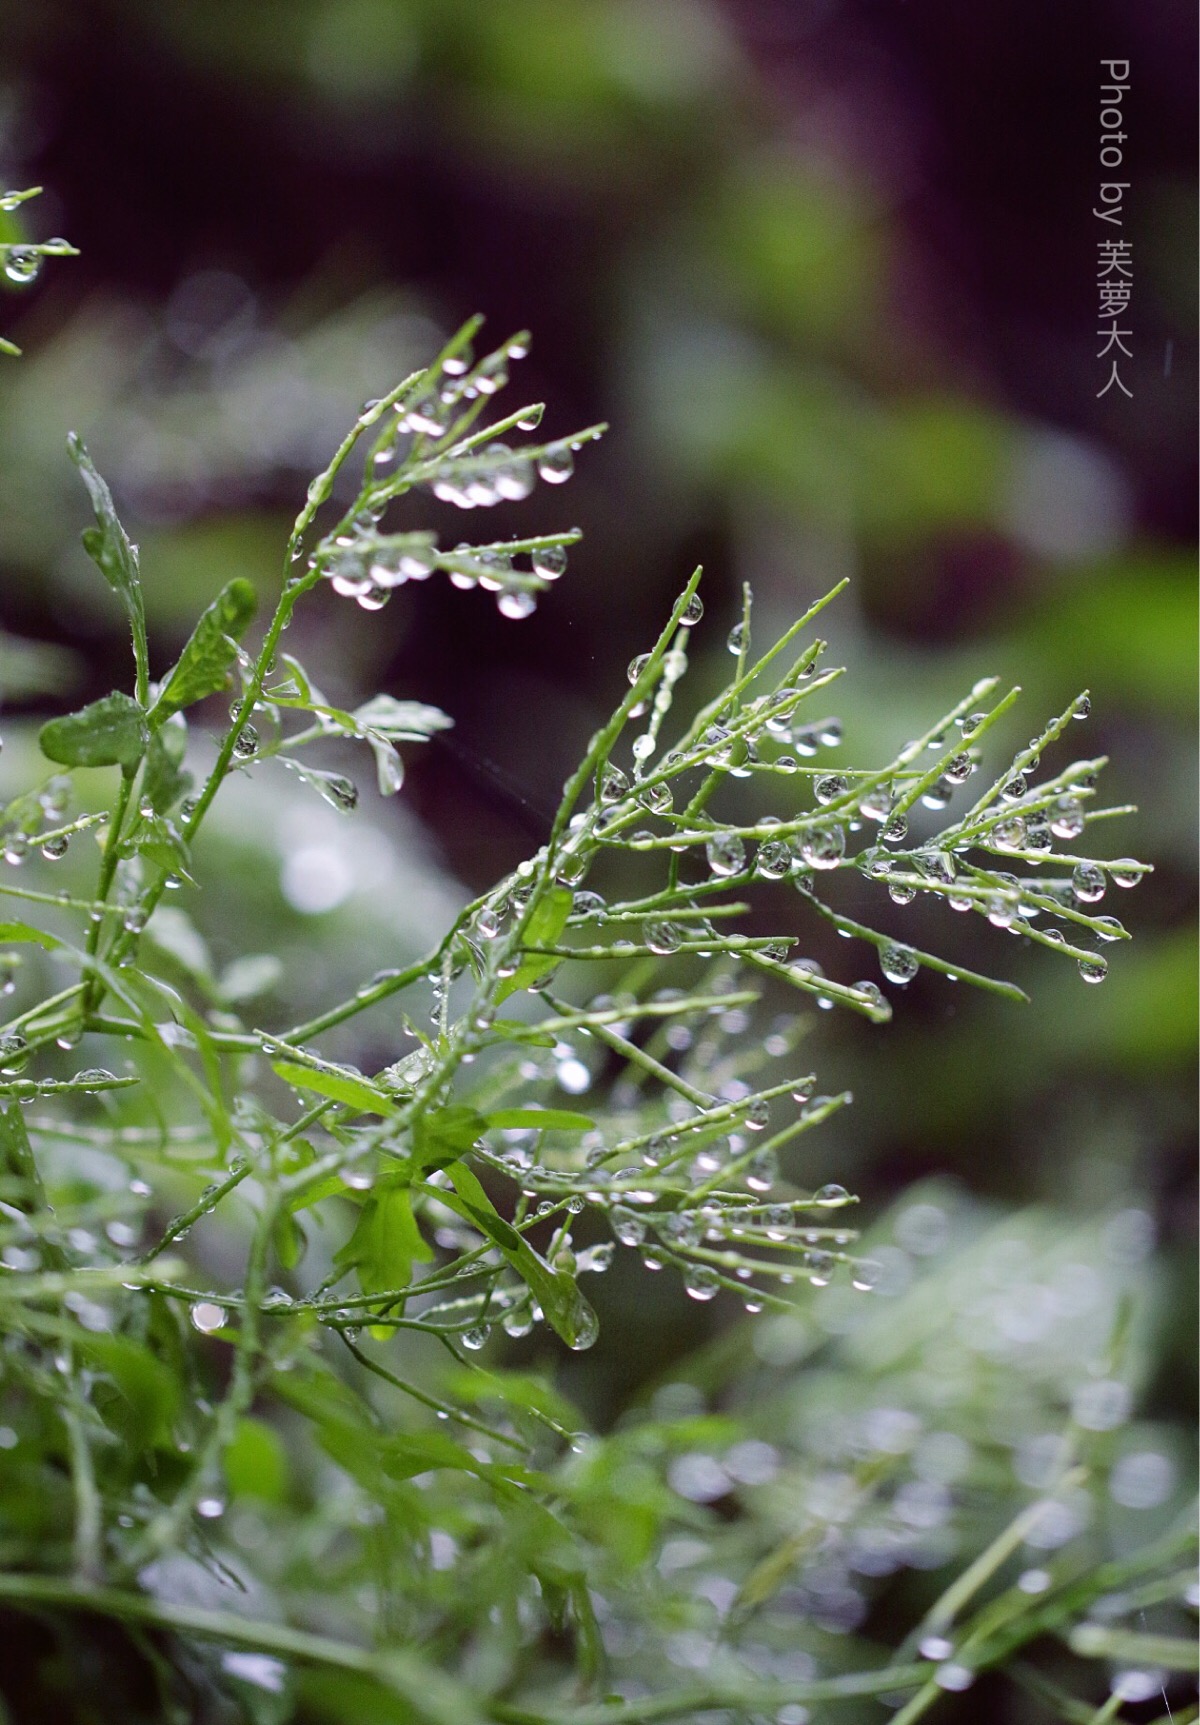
x=629, y=1228
x=556, y=466
x=14, y=1050
x=55, y=848
x=692, y=612
x=516, y=603
x=1066, y=818
x=1009, y=835
x=587, y=1328
x=550, y=561
x=207, y=1317
x=15, y=847
x=726, y=854
x=828, y=789
x=487, y=923
x=1108, y=928
x=901, y=892
x=822, y=847
x=1124, y=872
x=831, y=1194
x=246, y=743
x=895, y=830
x=1093, y=969
x=1088, y=883
x=701, y=1282
x=22, y=265
x=1001, y=909
x=763, y=1171
x=1083, y=707
x=476, y=1337
x=210, y=1508
x=736, y=638
x=613, y=784
x=663, y=937
x=876, y=805
x=936, y=1647
x=774, y=859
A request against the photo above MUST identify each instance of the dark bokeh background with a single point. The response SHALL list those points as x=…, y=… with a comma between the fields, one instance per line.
x=828, y=268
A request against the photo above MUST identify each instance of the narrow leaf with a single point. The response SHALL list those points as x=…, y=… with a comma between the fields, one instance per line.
x=355, y=1092
x=541, y=1119
x=107, y=544
x=557, y=1295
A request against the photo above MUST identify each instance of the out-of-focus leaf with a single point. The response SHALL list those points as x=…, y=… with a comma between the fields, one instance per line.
x=203, y=666
x=110, y=732
x=144, y=1398
x=249, y=977
x=107, y=544
x=256, y=1463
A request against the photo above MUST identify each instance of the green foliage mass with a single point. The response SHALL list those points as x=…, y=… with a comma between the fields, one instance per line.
x=261, y=1409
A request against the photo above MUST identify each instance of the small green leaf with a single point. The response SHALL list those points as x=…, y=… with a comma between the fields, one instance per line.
x=22, y=931
x=108, y=733
x=356, y=1093
x=164, y=782
x=542, y=1119
x=543, y=929
x=557, y=1295
x=203, y=666
x=107, y=544
x=385, y=1241
x=444, y=1135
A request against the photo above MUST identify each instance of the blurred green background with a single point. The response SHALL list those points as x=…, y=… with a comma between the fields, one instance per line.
x=828, y=268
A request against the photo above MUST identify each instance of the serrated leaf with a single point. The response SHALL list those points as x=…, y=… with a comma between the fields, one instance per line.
x=411, y=720
x=444, y=1134
x=385, y=1241
x=356, y=1093
x=203, y=666
x=111, y=732
x=107, y=544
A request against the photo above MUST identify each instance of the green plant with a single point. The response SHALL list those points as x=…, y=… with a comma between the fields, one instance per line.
x=396, y=1570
